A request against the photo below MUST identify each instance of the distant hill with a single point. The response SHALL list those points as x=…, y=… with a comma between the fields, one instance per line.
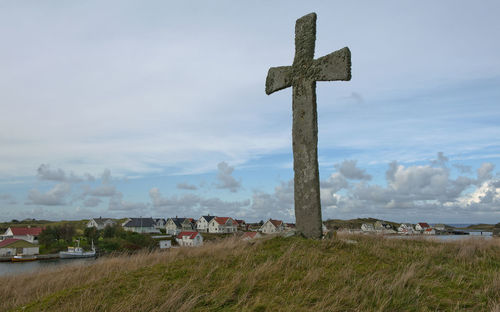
x=335, y=224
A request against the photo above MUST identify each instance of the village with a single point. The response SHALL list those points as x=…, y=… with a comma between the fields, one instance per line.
x=22, y=243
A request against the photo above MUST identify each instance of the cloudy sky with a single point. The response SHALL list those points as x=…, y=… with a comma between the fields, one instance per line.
x=157, y=108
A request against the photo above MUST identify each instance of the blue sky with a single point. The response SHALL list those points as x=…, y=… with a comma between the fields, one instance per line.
x=157, y=108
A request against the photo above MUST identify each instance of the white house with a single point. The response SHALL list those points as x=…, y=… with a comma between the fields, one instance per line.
x=272, y=226
x=140, y=225
x=202, y=223
x=14, y=246
x=382, y=226
x=430, y=231
x=422, y=226
x=100, y=223
x=29, y=234
x=191, y=239
x=222, y=225
x=405, y=228
x=176, y=225
x=440, y=227
x=160, y=223
x=367, y=227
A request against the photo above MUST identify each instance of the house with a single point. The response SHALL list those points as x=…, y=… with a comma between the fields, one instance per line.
x=14, y=246
x=202, y=223
x=100, y=223
x=29, y=234
x=382, y=226
x=272, y=226
x=422, y=226
x=430, y=231
x=405, y=228
x=242, y=224
x=440, y=227
x=140, y=225
x=191, y=239
x=250, y=235
x=289, y=226
x=176, y=225
x=367, y=227
x=324, y=229
x=160, y=223
x=165, y=244
x=222, y=225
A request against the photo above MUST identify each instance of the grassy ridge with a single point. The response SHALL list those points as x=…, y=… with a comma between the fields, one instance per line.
x=347, y=273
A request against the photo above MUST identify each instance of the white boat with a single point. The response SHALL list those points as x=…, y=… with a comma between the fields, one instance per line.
x=77, y=252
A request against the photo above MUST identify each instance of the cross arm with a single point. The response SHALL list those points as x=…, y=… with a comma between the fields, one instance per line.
x=278, y=78
x=333, y=66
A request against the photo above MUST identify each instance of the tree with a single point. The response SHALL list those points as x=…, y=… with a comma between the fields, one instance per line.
x=91, y=233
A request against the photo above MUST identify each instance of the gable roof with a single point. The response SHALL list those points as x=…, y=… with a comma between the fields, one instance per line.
x=276, y=223
x=240, y=221
x=191, y=235
x=208, y=218
x=138, y=222
x=222, y=220
x=34, y=231
x=102, y=221
x=14, y=241
x=177, y=221
x=423, y=224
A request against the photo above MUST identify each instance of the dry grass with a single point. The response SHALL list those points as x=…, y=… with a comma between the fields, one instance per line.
x=276, y=274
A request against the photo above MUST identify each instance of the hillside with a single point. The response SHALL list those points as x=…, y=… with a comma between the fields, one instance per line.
x=354, y=224
x=345, y=273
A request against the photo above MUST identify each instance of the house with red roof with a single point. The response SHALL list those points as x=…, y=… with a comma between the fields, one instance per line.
x=191, y=239
x=222, y=225
x=430, y=231
x=272, y=226
x=29, y=234
x=422, y=226
x=250, y=235
x=14, y=246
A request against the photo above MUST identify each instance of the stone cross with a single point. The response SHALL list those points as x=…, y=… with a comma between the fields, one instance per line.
x=302, y=76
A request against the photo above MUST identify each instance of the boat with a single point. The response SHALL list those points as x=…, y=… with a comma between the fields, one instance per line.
x=77, y=252
x=23, y=258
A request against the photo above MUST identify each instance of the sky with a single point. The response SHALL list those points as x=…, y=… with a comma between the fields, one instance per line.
x=158, y=108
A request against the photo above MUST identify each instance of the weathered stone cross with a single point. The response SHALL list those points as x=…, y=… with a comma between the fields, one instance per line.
x=302, y=75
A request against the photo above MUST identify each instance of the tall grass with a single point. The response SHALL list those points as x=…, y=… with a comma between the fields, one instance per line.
x=346, y=273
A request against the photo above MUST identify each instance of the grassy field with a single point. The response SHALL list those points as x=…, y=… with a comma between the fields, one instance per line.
x=345, y=273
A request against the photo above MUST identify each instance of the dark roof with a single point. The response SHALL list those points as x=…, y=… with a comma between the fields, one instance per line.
x=208, y=218
x=178, y=221
x=158, y=219
x=137, y=222
x=101, y=220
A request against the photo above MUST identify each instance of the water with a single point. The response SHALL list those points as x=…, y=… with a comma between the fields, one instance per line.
x=12, y=268
x=472, y=235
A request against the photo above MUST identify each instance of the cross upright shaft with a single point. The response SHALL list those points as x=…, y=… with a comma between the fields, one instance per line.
x=302, y=76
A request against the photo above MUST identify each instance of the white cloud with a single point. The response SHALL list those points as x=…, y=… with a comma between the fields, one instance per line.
x=190, y=205
x=225, y=178
x=45, y=172
x=54, y=197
